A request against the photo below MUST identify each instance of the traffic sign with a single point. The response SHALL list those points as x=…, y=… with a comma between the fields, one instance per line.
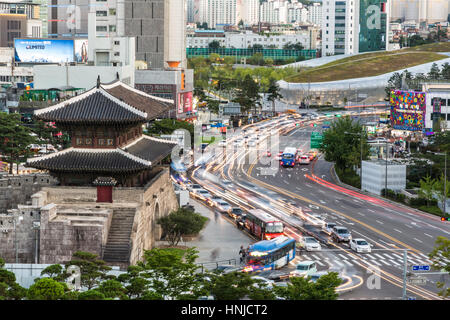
x=325, y=127
x=420, y=268
x=417, y=280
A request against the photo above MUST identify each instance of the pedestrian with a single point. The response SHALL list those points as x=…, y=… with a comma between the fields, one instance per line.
x=242, y=254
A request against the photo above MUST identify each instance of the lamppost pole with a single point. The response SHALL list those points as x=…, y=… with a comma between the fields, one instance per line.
x=386, y=172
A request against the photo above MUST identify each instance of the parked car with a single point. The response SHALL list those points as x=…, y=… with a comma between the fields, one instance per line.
x=310, y=244
x=261, y=282
x=340, y=234
x=304, y=269
x=360, y=245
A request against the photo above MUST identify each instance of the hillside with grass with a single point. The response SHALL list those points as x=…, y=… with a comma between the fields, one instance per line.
x=372, y=64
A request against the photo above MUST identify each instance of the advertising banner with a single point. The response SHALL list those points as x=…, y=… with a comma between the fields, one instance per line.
x=81, y=50
x=408, y=110
x=44, y=50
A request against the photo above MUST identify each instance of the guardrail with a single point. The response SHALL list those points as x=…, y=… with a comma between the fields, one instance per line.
x=217, y=263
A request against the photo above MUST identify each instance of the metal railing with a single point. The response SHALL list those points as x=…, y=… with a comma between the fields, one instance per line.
x=216, y=263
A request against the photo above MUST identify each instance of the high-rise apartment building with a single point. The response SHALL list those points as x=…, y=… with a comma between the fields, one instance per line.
x=354, y=26
x=315, y=13
x=250, y=11
x=429, y=11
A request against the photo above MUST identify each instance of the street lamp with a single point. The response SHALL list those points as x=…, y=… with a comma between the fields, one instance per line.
x=361, y=140
x=445, y=181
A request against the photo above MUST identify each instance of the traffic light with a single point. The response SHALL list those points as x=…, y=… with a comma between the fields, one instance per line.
x=445, y=219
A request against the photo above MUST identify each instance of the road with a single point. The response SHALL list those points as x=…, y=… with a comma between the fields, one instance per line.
x=309, y=189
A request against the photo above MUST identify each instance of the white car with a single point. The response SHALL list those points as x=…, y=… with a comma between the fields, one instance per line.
x=222, y=143
x=223, y=206
x=203, y=194
x=360, y=245
x=304, y=269
x=310, y=244
x=262, y=282
x=327, y=227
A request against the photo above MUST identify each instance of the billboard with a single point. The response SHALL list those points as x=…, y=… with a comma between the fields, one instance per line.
x=44, y=50
x=81, y=50
x=408, y=110
x=372, y=25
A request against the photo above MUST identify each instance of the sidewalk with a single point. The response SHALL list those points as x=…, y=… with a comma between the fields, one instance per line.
x=219, y=240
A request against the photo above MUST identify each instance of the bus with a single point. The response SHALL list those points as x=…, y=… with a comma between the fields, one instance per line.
x=288, y=157
x=263, y=225
x=270, y=254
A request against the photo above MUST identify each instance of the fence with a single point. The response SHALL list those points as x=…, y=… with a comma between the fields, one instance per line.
x=275, y=54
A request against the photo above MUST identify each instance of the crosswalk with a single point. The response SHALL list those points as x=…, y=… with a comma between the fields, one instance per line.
x=352, y=259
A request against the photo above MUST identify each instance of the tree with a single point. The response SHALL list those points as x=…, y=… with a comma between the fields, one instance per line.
x=427, y=186
x=112, y=289
x=9, y=288
x=257, y=46
x=93, y=270
x=171, y=272
x=136, y=285
x=15, y=139
x=46, y=289
x=91, y=295
x=215, y=44
x=274, y=93
x=293, y=46
x=441, y=257
x=301, y=288
x=445, y=71
x=434, y=73
x=439, y=188
x=230, y=286
x=179, y=223
x=168, y=126
x=341, y=143
x=248, y=93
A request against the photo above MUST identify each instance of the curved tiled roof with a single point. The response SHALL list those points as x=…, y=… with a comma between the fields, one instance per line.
x=93, y=106
x=150, y=149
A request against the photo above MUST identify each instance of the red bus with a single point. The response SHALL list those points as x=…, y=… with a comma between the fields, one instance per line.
x=263, y=225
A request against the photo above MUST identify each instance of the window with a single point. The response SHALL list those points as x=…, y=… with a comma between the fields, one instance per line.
x=101, y=13
x=79, y=141
x=116, y=54
x=110, y=142
x=112, y=28
x=88, y=141
x=102, y=28
x=112, y=11
x=448, y=119
x=101, y=142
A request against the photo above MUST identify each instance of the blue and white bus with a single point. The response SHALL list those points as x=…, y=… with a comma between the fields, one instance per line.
x=270, y=254
x=289, y=157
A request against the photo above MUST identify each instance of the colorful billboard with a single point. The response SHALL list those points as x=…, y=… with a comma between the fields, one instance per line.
x=81, y=50
x=43, y=51
x=408, y=110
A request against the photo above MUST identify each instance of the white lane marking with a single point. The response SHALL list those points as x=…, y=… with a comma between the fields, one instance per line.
x=418, y=240
x=392, y=261
x=388, y=256
x=298, y=188
x=409, y=226
x=339, y=263
x=346, y=261
x=375, y=262
x=371, y=210
x=428, y=235
x=320, y=263
x=384, y=261
x=398, y=230
x=398, y=256
x=307, y=258
x=343, y=257
x=379, y=256
x=323, y=202
x=315, y=257
x=380, y=222
x=361, y=214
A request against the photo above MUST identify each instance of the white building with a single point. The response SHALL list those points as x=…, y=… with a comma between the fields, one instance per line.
x=442, y=91
x=250, y=12
x=247, y=39
x=315, y=13
x=216, y=12
x=340, y=27
x=374, y=176
x=428, y=11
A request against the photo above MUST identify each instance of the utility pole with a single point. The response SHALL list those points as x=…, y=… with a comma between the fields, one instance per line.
x=385, y=178
x=445, y=182
x=405, y=262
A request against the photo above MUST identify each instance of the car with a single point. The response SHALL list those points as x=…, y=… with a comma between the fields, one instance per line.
x=203, y=194
x=261, y=282
x=340, y=234
x=222, y=143
x=214, y=200
x=227, y=184
x=223, y=206
x=304, y=159
x=310, y=244
x=315, y=276
x=304, y=269
x=360, y=245
x=328, y=226
x=252, y=143
x=195, y=187
x=235, y=212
